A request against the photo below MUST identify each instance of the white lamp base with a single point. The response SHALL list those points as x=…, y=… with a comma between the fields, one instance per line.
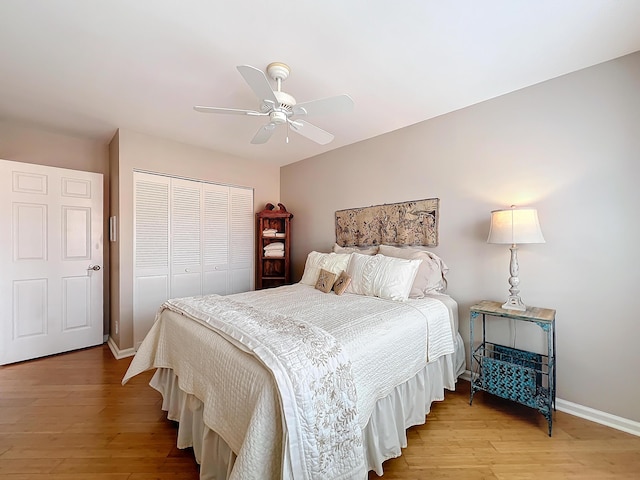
x=514, y=302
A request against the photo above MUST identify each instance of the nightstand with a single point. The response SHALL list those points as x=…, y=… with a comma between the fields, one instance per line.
x=525, y=377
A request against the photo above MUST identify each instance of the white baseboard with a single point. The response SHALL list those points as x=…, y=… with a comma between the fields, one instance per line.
x=117, y=353
x=588, y=413
x=603, y=418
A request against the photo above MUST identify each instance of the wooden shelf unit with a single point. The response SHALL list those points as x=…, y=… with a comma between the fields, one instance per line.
x=273, y=271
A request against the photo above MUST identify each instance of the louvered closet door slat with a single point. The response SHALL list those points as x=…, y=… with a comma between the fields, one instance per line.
x=185, y=220
x=151, y=250
x=241, y=227
x=151, y=224
x=241, y=239
x=215, y=239
x=216, y=225
x=186, y=254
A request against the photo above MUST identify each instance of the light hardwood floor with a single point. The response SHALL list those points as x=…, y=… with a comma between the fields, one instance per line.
x=67, y=417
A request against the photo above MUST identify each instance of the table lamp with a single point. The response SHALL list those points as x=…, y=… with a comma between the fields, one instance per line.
x=513, y=226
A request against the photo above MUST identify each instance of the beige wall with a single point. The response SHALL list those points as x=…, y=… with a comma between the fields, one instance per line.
x=114, y=247
x=569, y=147
x=135, y=151
x=24, y=142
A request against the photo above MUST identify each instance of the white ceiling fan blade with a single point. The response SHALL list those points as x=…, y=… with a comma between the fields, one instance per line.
x=233, y=111
x=258, y=82
x=325, y=106
x=311, y=132
x=264, y=134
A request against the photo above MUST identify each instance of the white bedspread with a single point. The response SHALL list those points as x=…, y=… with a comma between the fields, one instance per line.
x=317, y=392
x=387, y=342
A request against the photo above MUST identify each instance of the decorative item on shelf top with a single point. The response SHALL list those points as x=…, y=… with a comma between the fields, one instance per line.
x=273, y=246
x=510, y=227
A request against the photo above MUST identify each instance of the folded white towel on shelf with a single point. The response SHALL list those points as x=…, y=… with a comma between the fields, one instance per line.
x=274, y=253
x=269, y=232
x=274, y=246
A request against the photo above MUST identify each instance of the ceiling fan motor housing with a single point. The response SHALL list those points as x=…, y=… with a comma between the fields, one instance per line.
x=283, y=110
x=284, y=99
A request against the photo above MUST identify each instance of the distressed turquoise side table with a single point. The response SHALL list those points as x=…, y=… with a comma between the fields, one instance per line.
x=525, y=377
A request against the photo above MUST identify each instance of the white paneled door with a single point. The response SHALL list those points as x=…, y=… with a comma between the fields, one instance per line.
x=51, y=270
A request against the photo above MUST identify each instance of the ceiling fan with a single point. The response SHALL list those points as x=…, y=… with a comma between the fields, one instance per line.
x=281, y=108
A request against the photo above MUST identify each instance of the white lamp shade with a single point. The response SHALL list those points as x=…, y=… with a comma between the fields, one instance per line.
x=515, y=225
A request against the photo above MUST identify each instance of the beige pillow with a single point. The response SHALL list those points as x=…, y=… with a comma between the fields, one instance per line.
x=372, y=250
x=333, y=262
x=325, y=281
x=431, y=273
x=341, y=283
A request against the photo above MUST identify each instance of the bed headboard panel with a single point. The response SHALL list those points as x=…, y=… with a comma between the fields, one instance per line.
x=406, y=223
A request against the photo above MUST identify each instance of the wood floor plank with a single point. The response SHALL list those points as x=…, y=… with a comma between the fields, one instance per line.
x=68, y=417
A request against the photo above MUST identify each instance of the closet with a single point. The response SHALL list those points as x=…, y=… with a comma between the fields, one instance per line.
x=190, y=238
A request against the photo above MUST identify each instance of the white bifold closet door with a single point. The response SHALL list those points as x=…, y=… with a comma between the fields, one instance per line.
x=190, y=238
x=186, y=238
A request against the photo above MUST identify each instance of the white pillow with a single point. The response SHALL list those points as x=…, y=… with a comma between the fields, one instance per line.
x=316, y=261
x=381, y=276
x=430, y=277
x=372, y=250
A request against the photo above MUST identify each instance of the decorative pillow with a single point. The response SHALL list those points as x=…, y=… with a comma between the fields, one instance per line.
x=326, y=280
x=361, y=250
x=431, y=274
x=380, y=276
x=341, y=283
x=332, y=262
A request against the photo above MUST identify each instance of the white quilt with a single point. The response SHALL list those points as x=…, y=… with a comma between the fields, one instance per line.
x=313, y=376
x=387, y=343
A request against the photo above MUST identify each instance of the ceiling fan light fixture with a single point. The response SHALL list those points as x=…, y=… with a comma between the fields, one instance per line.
x=278, y=117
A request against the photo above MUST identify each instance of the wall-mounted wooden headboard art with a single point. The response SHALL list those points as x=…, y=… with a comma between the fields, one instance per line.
x=406, y=223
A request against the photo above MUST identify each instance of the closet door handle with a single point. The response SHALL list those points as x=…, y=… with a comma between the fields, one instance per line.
x=187, y=270
x=94, y=267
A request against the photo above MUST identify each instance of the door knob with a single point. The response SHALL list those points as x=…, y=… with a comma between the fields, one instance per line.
x=94, y=267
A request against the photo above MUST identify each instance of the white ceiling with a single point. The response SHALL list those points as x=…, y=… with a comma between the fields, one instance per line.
x=91, y=66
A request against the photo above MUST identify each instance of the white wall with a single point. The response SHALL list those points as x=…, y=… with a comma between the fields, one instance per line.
x=569, y=147
x=132, y=150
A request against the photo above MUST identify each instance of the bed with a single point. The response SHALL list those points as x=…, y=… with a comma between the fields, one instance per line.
x=300, y=381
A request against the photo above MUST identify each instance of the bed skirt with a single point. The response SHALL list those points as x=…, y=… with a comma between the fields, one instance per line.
x=384, y=436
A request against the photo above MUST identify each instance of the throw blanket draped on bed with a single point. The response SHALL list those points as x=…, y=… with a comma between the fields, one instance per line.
x=313, y=375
